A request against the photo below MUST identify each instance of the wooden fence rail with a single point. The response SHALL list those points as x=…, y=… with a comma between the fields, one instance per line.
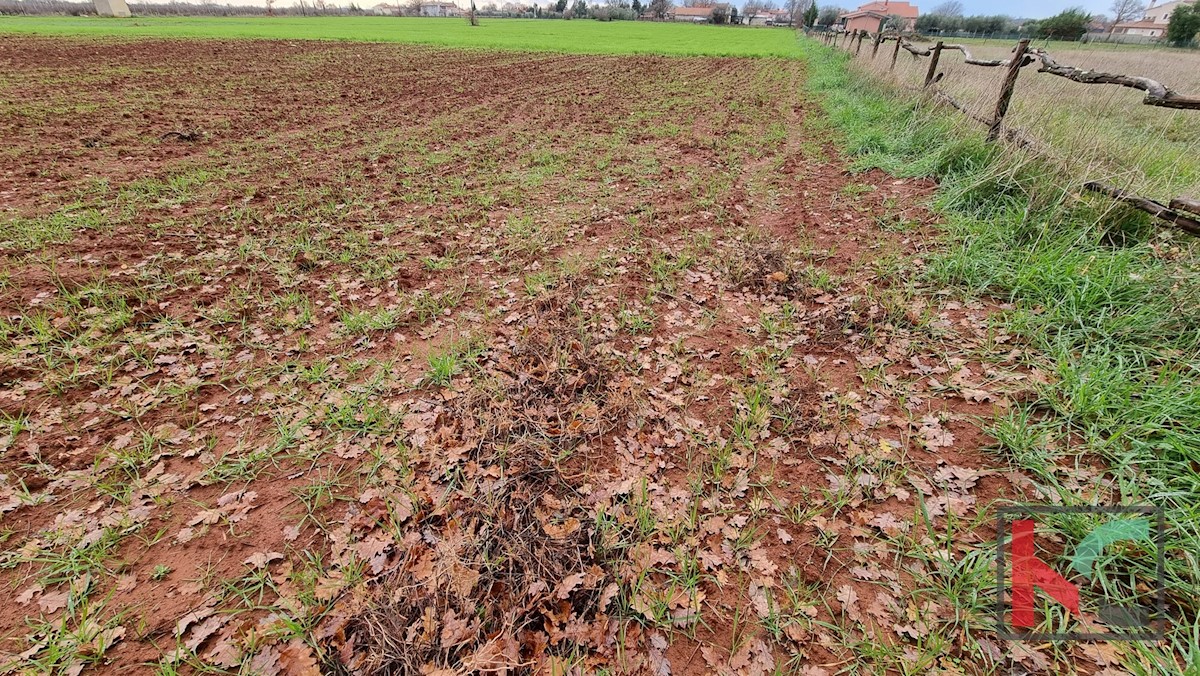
x=1182, y=212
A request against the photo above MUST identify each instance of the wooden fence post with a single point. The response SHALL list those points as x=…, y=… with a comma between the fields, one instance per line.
x=895, y=52
x=858, y=49
x=933, y=63
x=1006, y=89
x=875, y=47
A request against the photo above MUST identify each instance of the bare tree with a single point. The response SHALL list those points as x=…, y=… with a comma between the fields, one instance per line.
x=753, y=8
x=750, y=10
x=951, y=8
x=1124, y=10
x=659, y=8
x=270, y=7
x=796, y=9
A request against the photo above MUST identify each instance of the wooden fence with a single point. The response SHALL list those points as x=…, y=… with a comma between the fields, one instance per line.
x=1182, y=212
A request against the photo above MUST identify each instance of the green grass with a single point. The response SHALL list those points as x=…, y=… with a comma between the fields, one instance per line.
x=1108, y=302
x=579, y=37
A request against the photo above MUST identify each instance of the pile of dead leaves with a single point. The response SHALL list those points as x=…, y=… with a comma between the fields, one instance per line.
x=485, y=559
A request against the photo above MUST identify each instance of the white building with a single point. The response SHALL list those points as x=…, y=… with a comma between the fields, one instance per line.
x=1152, y=25
x=440, y=9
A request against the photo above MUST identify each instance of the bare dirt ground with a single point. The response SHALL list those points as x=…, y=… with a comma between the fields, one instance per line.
x=385, y=358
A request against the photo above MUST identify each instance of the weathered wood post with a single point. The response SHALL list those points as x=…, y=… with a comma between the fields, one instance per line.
x=1186, y=204
x=933, y=63
x=1006, y=89
x=875, y=47
x=895, y=52
x=861, y=36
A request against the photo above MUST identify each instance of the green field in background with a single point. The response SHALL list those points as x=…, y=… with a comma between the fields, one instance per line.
x=580, y=37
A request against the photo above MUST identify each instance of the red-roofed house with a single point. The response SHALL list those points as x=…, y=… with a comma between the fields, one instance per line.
x=1153, y=23
x=872, y=16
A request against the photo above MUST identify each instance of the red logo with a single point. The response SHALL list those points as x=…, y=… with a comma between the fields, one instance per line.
x=1028, y=571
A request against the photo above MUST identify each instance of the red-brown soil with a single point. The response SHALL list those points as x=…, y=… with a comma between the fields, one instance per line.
x=683, y=370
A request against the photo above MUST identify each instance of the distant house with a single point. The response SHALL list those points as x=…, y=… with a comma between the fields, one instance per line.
x=769, y=17
x=384, y=9
x=1152, y=25
x=440, y=9
x=696, y=14
x=873, y=16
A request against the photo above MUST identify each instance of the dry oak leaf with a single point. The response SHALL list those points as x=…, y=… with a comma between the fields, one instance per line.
x=27, y=595
x=203, y=630
x=297, y=659
x=191, y=618
x=267, y=662
x=849, y=599
x=1033, y=658
x=758, y=598
x=561, y=531
x=762, y=561
x=374, y=550
x=53, y=601
x=568, y=584
x=455, y=630
x=262, y=559
x=1103, y=654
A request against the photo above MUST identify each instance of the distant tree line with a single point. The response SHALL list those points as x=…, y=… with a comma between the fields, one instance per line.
x=1069, y=24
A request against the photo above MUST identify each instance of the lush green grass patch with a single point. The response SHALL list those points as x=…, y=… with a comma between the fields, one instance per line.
x=579, y=37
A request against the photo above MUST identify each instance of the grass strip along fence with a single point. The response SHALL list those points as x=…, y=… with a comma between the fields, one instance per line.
x=1181, y=212
x=1106, y=308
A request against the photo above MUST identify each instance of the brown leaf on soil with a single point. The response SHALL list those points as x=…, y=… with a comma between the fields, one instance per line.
x=203, y=630
x=26, y=596
x=568, y=584
x=297, y=659
x=1034, y=658
x=758, y=599
x=267, y=662
x=1103, y=654
x=53, y=601
x=262, y=559
x=849, y=600
x=455, y=630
